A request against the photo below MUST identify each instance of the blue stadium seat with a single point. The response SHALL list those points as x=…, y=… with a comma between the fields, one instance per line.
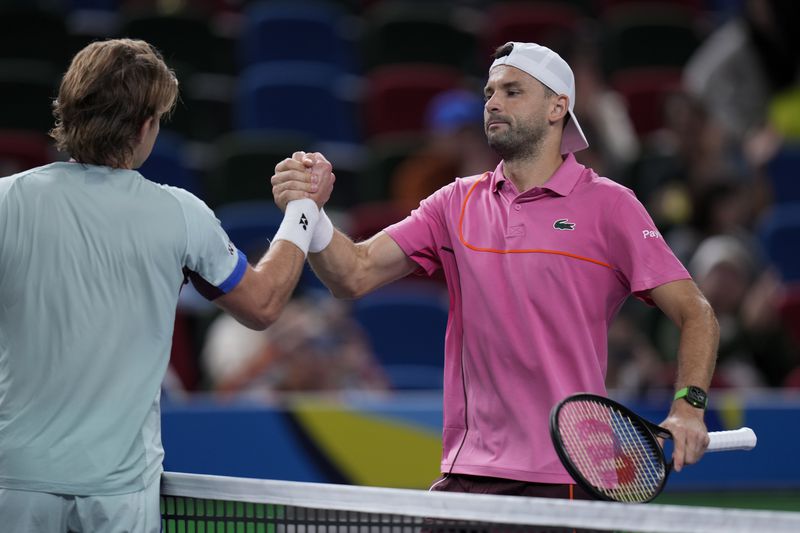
x=405, y=323
x=307, y=97
x=780, y=237
x=250, y=225
x=783, y=171
x=167, y=164
x=295, y=31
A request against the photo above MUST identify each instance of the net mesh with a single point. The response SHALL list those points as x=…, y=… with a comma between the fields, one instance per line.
x=212, y=504
x=614, y=453
x=184, y=514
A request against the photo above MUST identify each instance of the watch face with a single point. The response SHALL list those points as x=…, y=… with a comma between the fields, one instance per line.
x=696, y=396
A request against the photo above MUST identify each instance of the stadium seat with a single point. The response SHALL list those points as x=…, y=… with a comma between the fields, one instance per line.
x=311, y=98
x=656, y=35
x=541, y=22
x=296, y=31
x=21, y=150
x=779, y=233
x=644, y=91
x=168, y=165
x=93, y=5
x=789, y=310
x=693, y=7
x=243, y=162
x=406, y=324
x=34, y=34
x=784, y=174
x=250, y=225
x=186, y=41
x=204, y=110
x=416, y=32
x=397, y=96
x=384, y=154
x=368, y=218
x=27, y=88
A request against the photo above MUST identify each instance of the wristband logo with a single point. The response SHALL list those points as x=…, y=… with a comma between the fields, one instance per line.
x=304, y=221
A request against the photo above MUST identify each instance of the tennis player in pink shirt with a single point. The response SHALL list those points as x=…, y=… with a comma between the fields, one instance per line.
x=539, y=254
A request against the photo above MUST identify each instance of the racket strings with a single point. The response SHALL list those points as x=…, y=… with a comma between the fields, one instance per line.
x=612, y=452
x=648, y=467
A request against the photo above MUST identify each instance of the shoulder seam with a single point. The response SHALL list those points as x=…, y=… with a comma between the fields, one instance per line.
x=185, y=222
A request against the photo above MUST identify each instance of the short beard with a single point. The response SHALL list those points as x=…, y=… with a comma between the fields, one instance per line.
x=517, y=144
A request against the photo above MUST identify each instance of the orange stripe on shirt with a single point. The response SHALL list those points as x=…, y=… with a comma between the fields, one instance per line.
x=512, y=251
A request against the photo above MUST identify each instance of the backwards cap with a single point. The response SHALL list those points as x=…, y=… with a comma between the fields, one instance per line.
x=549, y=68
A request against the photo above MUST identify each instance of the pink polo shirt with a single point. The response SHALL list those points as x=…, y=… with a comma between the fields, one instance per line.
x=535, y=280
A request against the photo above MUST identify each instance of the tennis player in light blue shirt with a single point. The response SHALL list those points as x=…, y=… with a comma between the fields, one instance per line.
x=92, y=259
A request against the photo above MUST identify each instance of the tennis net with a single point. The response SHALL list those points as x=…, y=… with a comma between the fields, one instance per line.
x=193, y=503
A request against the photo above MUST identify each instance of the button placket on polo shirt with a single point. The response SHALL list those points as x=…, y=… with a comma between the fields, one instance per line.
x=516, y=219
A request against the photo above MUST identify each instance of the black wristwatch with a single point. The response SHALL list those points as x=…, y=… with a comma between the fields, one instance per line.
x=696, y=396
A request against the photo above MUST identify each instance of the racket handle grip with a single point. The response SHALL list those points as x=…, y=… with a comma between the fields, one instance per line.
x=736, y=439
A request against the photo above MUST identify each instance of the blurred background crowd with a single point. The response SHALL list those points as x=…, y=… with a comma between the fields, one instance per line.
x=693, y=104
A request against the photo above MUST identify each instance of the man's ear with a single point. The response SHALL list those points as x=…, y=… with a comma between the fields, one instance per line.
x=145, y=129
x=559, y=108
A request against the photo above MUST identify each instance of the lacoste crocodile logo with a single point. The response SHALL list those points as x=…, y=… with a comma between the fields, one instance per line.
x=564, y=225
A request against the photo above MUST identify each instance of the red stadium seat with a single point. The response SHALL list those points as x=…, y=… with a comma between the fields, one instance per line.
x=644, y=91
x=789, y=310
x=21, y=150
x=540, y=22
x=397, y=96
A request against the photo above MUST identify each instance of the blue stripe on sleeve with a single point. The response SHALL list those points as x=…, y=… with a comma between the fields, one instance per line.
x=236, y=276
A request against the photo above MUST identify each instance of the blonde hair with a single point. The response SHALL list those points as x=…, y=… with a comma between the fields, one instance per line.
x=110, y=89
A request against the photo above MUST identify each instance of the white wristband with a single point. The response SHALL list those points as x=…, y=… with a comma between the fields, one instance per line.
x=299, y=223
x=323, y=234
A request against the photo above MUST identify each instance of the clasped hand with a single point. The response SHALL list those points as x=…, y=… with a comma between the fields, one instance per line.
x=304, y=175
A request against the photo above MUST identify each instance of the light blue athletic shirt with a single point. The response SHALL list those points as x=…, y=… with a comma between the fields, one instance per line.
x=91, y=263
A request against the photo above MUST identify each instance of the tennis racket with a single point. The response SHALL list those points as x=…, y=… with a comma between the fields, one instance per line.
x=614, y=453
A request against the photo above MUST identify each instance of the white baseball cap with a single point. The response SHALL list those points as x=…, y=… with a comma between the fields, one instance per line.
x=549, y=68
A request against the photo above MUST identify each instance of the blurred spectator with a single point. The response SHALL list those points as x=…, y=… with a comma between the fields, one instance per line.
x=613, y=144
x=455, y=147
x=720, y=208
x=753, y=350
x=634, y=364
x=314, y=346
x=745, y=62
x=684, y=169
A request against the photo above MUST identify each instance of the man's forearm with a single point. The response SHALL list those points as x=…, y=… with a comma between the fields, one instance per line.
x=698, y=348
x=337, y=266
